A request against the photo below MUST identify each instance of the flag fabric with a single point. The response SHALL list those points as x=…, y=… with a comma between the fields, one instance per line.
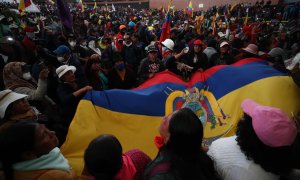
x=199, y=22
x=21, y=7
x=166, y=28
x=233, y=6
x=95, y=5
x=64, y=13
x=189, y=9
x=113, y=7
x=213, y=23
x=217, y=16
x=246, y=18
x=50, y=2
x=23, y=4
x=226, y=14
x=173, y=10
x=169, y=5
x=215, y=95
x=80, y=6
x=94, y=8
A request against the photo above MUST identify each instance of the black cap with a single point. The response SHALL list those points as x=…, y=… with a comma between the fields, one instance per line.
x=151, y=48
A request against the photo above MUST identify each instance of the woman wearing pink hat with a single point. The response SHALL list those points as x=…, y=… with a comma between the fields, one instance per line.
x=251, y=51
x=263, y=147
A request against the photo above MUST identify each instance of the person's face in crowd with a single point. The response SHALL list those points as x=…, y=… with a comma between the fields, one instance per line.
x=197, y=48
x=127, y=39
x=96, y=66
x=164, y=126
x=96, y=63
x=224, y=49
x=20, y=106
x=83, y=42
x=72, y=42
x=108, y=43
x=69, y=77
x=134, y=39
x=152, y=56
x=46, y=140
x=123, y=31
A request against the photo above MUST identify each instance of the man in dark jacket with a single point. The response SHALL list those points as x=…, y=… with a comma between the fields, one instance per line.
x=129, y=53
x=150, y=65
x=224, y=57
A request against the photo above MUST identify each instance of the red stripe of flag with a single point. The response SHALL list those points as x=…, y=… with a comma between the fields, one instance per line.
x=27, y=3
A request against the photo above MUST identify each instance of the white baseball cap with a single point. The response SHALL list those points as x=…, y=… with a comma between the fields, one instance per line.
x=224, y=43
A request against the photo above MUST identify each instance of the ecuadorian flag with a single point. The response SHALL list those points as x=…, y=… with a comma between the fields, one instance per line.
x=215, y=95
x=166, y=28
x=23, y=4
x=189, y=9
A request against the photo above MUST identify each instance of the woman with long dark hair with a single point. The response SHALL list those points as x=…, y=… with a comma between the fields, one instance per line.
x=95, y=74
x=182, y=156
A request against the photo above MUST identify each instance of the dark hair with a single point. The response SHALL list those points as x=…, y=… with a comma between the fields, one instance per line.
x=277, y=160
x=15, y=139
x=103, y=157
x=93, y=77
x=188, y=159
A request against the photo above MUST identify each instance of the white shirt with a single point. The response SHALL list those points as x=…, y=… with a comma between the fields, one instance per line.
x=232, y=164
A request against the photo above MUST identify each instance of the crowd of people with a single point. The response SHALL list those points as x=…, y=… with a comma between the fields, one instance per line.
x=48, y=67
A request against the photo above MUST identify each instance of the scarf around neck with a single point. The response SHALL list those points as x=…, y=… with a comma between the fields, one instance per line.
x=53, y=160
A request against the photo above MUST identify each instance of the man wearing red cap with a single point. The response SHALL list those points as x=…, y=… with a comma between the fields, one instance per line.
x=28, y=39
x=120, y=38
